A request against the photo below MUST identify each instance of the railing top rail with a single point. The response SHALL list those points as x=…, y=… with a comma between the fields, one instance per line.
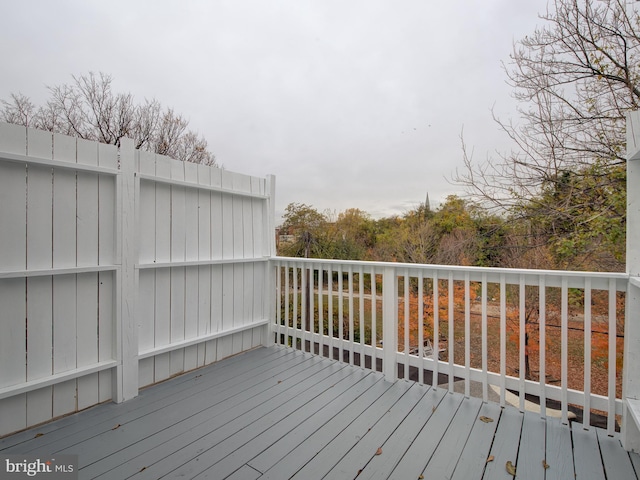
x=459, y=268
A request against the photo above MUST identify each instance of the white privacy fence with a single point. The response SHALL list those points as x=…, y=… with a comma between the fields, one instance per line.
x=119, y=269
x=557, y=335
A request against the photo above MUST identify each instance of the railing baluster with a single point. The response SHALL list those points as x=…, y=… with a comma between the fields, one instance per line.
x=286, y=304
x=340, y=314
x=361, y=313
x=421, y=327
x=321, y=310
x=564, y=340
x=351, y=325
x=374, y=316
x=296, y=331
x=611, y=414
x=523, y=343
x=503, y=338
x=467, y=335
x=542, y=292
x=330, y=310
x=485, y=355
x=304, y=319
x=436, y=331
x=311, y=312
x=407, y=308
x=451, y=333
x=586, y=418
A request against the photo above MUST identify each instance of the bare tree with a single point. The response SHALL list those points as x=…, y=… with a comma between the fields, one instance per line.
x=575, y=78
x=88, y=108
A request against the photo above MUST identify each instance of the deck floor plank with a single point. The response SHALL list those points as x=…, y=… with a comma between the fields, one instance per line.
x=442, y=463
x=277, y=413
x=394, y=448
x=421, y=450
x=505, y=444
x=559, y=452
x=474, y=456
x=532, y=447
x=586, y=454
x=617, y=463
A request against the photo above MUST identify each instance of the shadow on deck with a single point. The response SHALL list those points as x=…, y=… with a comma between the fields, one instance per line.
x=277, y=413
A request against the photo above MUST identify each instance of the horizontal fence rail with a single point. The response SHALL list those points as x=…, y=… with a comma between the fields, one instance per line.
x=556, y=336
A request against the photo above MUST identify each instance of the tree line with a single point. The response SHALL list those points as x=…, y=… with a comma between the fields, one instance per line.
x=455, y=233
x=88, y=108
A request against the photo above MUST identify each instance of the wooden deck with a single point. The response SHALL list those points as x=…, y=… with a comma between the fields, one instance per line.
x=275, y=413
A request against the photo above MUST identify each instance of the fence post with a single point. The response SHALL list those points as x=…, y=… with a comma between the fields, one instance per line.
x=127, y=331
x=630, y=379
x=389, y=323
x=270, y=241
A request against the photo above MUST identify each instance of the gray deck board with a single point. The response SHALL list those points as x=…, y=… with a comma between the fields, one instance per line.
x=505, y=444
x=394, y=448
x=277, y=413
x=532, y=449
x=421, y=450
x=559, y=458
x=474, y=456
x=617, y=463
x=588, y=464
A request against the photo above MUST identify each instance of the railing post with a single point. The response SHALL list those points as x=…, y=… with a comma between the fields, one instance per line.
x=389, y=323
x=631, y=380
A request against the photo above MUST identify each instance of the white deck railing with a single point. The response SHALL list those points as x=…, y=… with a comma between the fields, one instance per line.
x=489, y=322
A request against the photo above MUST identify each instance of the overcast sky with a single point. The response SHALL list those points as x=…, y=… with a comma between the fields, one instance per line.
x=349, y=103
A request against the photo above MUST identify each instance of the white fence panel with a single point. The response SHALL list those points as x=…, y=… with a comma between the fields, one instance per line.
x=198, y=256
x=56, y=275
x=117, y=276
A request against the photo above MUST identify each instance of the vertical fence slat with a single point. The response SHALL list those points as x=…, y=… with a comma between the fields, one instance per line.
x=39, y=289
x=178, y=274
x=191, y=273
